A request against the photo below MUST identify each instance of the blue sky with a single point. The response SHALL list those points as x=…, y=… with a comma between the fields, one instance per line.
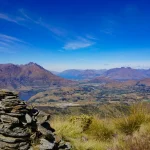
x=75, y=34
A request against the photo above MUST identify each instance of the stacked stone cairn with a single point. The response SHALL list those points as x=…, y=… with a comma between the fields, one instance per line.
x=23, y=127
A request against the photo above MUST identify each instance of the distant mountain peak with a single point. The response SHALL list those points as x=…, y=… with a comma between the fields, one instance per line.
x=28, y=76
x=126, y=73
x=32, y=63
x=35, y=65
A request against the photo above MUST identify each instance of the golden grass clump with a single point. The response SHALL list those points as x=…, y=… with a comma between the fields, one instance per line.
x=128, y=124
x=100, y=130
x=83, y=120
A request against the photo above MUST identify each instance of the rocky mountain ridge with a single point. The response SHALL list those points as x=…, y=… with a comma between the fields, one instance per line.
x=123, y=73
x=127, y=73
x=26, y=77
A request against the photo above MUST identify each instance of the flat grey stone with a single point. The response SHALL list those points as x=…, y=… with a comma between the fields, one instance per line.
x=9, y=119
x=10, y=97
x=11, y=139
x=15, y=132
x=10, y=102
x=45, y=132
x=28, y=118
x=64, y=145
x=26, y=146
x=46, y=145
x=42, y=117
x=4, y=145
x=12, y=114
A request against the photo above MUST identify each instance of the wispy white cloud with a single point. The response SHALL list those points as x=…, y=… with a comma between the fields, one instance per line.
x=27, y=19
x=8, y=18
x=4, y=43
x=91, y=37
x=55, y=30
x=78, y=44
x=6, y=38
x=24, y=19
x=13, y=19
x=9, y=43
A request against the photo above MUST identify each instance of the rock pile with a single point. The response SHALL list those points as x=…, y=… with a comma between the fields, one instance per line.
x=23, y=127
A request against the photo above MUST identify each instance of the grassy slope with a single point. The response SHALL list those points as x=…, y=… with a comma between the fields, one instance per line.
x=120, y=131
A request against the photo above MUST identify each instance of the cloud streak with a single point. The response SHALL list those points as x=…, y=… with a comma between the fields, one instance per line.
x=55, y=30
x=10, y=43
x=8, y=18
x=70, y=39
x=23, y=19
x=78, y=44
x=10, y=39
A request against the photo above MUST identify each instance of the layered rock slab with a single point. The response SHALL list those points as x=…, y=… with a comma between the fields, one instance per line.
x=23, y=127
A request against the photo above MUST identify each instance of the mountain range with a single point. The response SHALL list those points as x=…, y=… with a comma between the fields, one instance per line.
x=76, y=74
x=114, y=74
x=127, y=73
x=28, y=76
x=33, y=76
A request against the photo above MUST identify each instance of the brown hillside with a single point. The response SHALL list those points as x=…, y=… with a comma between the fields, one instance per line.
x=28, y=76
x=126, y=74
